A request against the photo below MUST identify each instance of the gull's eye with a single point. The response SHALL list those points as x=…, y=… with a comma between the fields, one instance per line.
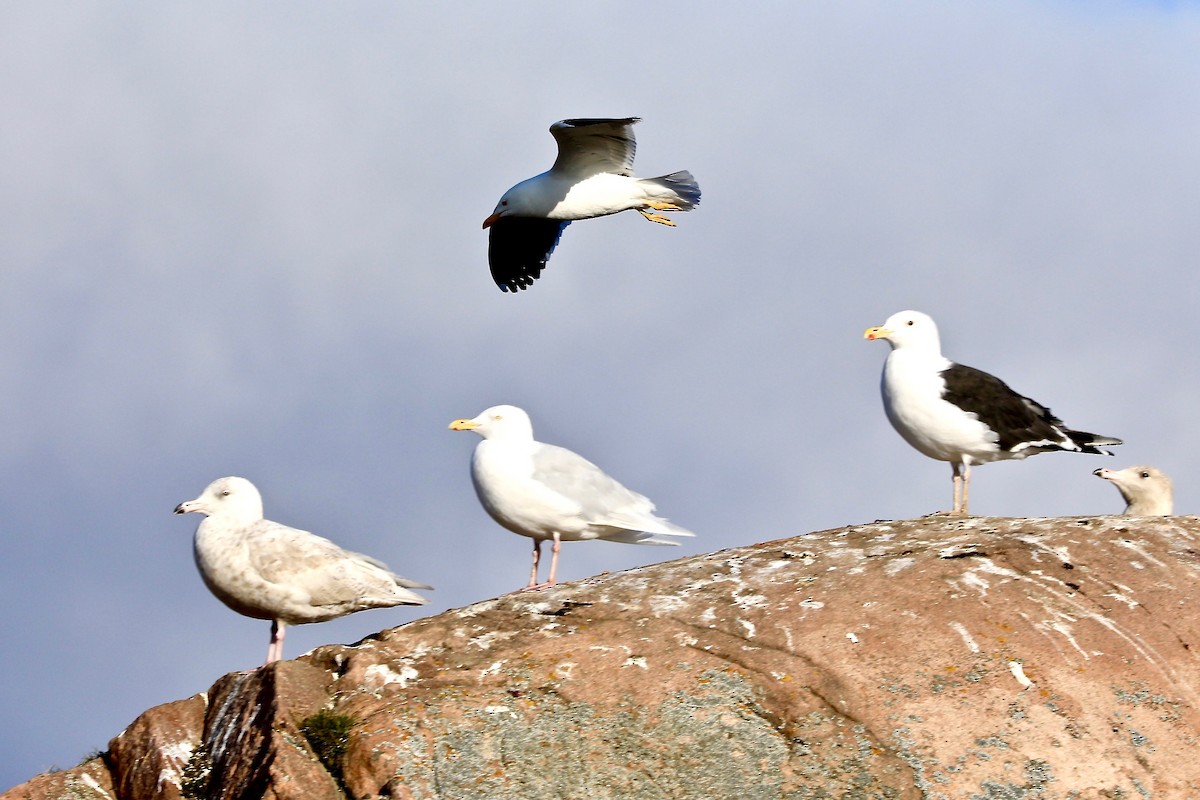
x=1145, y=474
x=910, y=323
x=225, y=493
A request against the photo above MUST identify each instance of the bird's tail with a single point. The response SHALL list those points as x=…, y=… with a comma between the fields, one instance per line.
x=1091, y=443
x=638, y=537
x=682, y=185
x=409, y=583
x=642, y=529
x=404, y=597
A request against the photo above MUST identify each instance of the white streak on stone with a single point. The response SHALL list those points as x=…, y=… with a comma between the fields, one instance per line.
x=1123, y=599
x=382, y=675
x=898, y=565
x=486, y=641
x=177, y=754
x=748, y=625
x=499, y=710
x=975, y=582
x=92, y=783
x=968, y=640
x=1069, y=635
x=666, y=603
x=787, y=636
x=850, y=635
x=749, y=600
x=1137, y=548
x=1018, y=672
x=636, y=661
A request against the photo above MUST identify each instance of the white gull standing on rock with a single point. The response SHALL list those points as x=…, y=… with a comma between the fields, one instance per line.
x=1147, y=490
x=547, y=492
x=592, y=177
x=269, y=571
x=951, y=412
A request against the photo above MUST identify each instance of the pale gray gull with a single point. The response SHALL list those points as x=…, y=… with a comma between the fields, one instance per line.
x=550, y=493
x=592, y=177
x=1146, y=490
x=266, y=570
x=951, y=412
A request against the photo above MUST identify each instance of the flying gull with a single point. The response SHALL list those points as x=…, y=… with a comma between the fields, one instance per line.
x=1146, y=490
x=547, y=492
x=269, y=571
x=951, y=412
x=592, y=177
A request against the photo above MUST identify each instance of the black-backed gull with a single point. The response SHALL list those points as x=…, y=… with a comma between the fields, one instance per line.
x=951, y=412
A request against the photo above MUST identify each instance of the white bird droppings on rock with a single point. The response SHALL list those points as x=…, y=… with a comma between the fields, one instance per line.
x=1018, y=672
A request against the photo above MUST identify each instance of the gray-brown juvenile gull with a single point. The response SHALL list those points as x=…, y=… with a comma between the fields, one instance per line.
x=266, y=570
x=592, y=177
x=1147, y=490
x=955, y=413
x=550, y=493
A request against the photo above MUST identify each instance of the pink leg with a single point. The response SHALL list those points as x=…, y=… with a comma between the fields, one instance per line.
x=537, y=557
x=554, y=559
x=957, y=480
x=275, y=650
x=537, y=554
x=966, y=488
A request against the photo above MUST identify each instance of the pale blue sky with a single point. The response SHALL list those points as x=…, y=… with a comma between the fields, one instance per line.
x=246, y=240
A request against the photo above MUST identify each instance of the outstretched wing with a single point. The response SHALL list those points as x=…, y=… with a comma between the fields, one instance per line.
x=519, y=247
x=588, y=147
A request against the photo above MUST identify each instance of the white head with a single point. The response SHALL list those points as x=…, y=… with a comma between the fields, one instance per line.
x=1147, y=490
x=908, y=329
x=520, y=201
x=233, y=499
x=498, y=422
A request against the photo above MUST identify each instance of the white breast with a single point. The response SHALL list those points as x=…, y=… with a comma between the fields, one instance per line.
x=502, y=473
x=912, y=398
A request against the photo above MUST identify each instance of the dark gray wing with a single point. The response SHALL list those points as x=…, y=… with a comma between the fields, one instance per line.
x=1017, y=420
x=519, y=247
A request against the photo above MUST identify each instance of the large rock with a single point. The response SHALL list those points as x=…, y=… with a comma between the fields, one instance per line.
x=936, y=658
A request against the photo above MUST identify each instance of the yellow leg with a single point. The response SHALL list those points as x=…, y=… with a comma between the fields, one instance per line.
x=659, y=218
x=663, y=205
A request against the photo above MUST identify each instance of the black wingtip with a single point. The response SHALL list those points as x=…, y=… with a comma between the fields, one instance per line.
x=580, y=122
x=518, y=249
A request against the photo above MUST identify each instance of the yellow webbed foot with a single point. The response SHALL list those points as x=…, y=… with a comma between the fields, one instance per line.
x=662, y=205
x=659, y=218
